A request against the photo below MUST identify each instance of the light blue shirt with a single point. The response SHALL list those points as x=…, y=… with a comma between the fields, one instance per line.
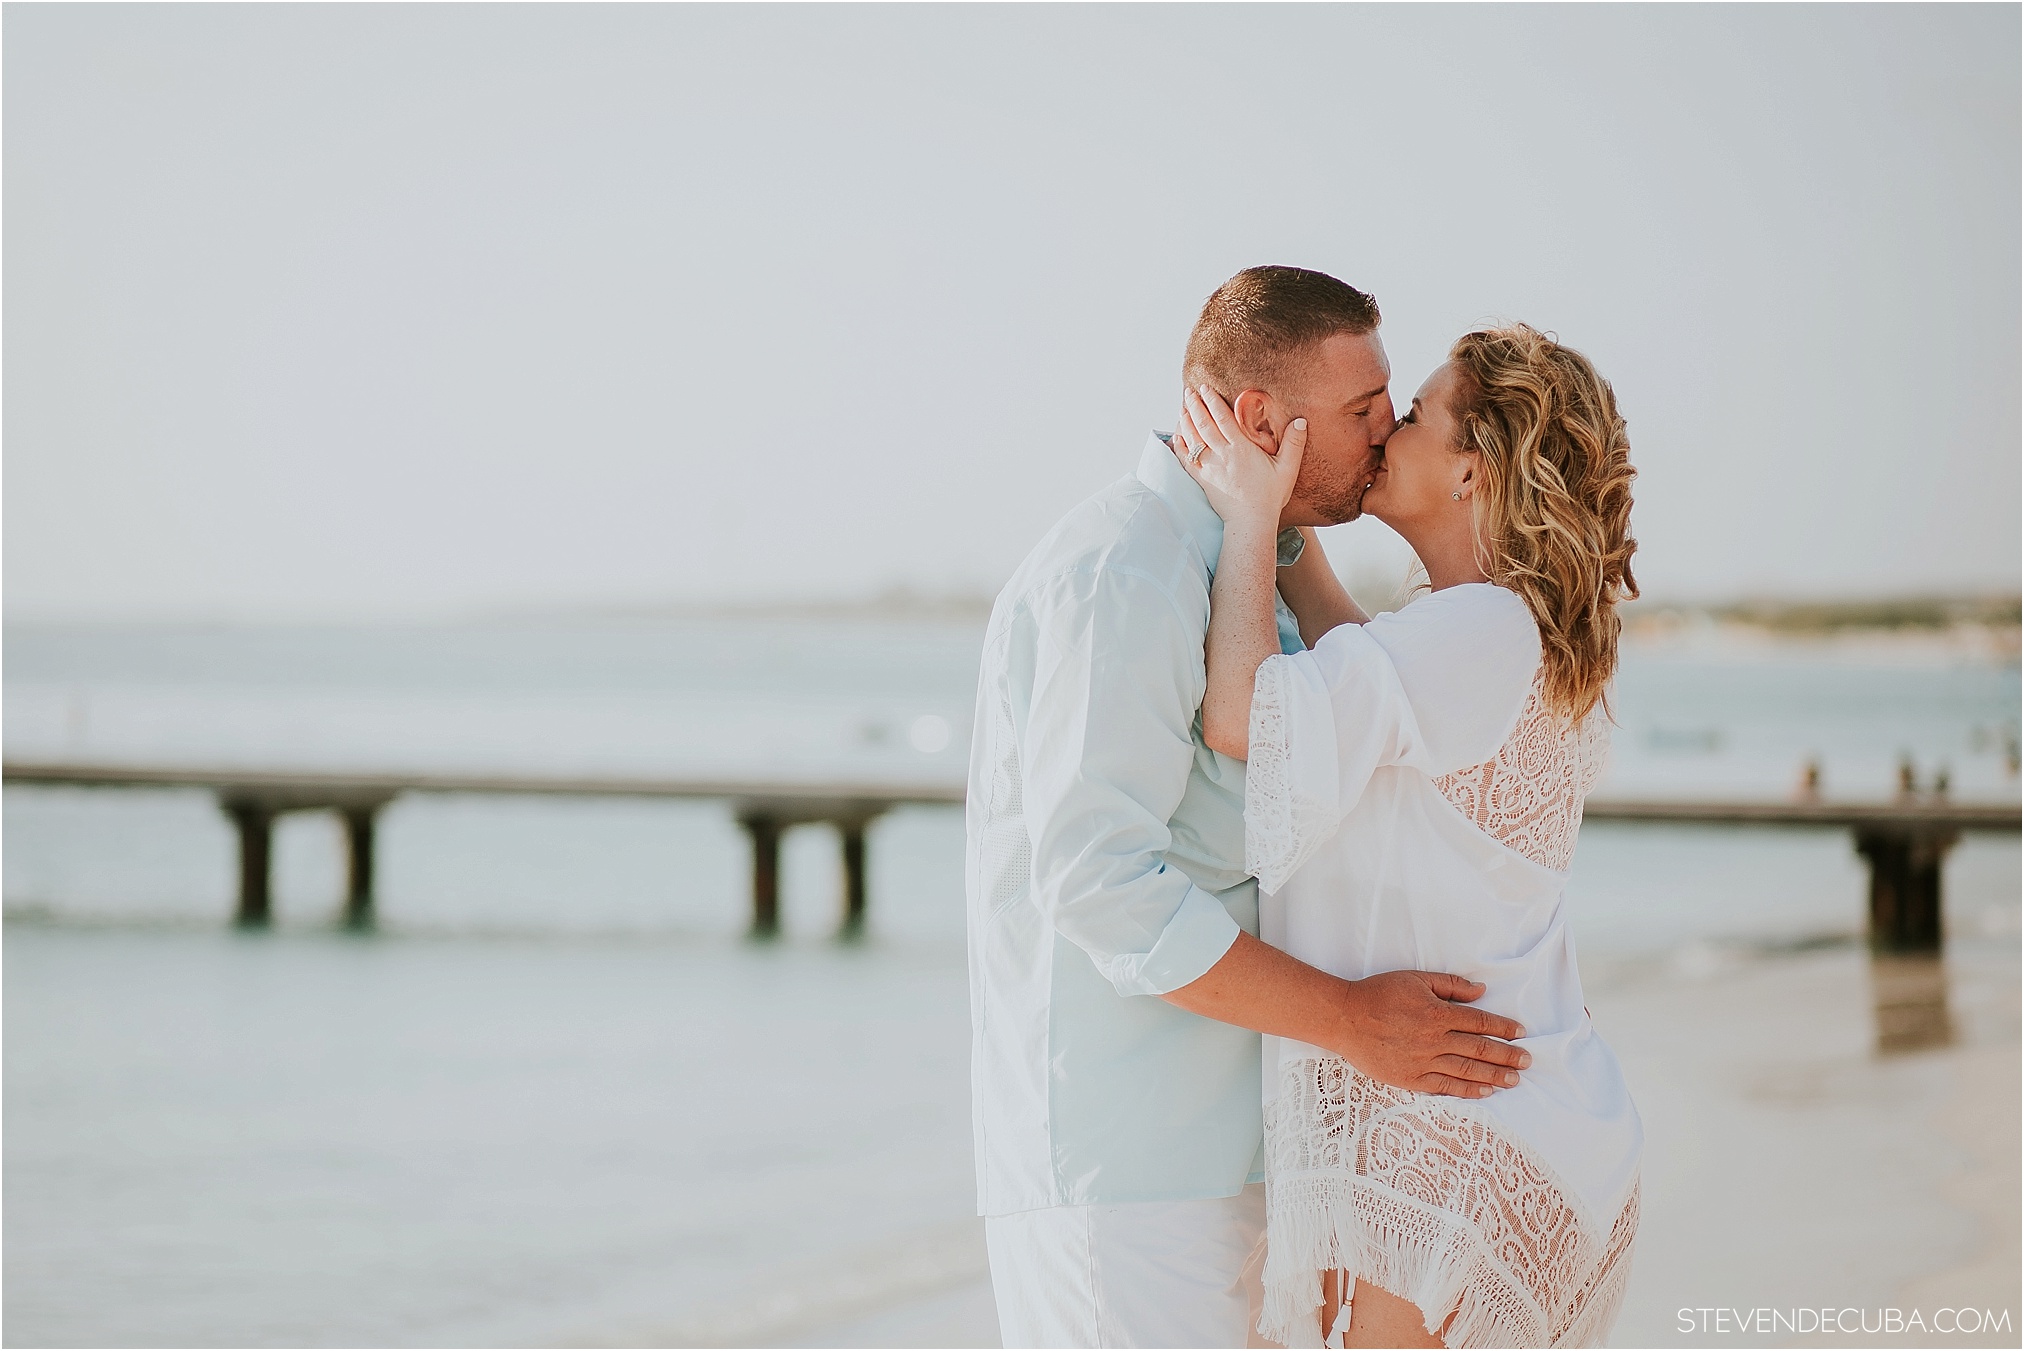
x=1105, y=866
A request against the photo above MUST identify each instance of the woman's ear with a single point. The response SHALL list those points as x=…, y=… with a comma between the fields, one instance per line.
x=1465, y=486
x=1253, y=409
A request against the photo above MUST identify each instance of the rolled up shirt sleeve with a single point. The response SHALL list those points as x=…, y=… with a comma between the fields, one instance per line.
x=1108, y=745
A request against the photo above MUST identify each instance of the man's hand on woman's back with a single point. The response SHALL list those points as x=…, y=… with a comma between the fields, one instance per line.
x=1409, y=1029
x=1414, y=1029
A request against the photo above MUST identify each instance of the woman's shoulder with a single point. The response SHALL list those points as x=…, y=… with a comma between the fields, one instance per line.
x=1476, y=622
x=1465, y=664
x=1471, y=603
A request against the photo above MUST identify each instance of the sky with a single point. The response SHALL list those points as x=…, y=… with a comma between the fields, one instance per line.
x=378, y=311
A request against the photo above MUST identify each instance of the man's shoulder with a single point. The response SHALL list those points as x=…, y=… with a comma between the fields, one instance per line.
x=1125, y=529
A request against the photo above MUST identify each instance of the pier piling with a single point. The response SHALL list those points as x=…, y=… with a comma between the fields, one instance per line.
x=1904, y=885
x=764, y=822
x=853, y=877
x=254, y=822
x=358, y=891
x=764, y=831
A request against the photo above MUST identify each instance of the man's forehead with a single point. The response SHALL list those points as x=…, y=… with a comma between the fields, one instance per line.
x=1358, y=359
x=1367, y=383
x=1346, y=369
x=1383, y=360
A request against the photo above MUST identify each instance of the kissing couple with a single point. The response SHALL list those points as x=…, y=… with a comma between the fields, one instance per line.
x=1278, y=1036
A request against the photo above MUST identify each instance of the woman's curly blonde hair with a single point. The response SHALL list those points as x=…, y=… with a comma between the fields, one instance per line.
x=1553, y=504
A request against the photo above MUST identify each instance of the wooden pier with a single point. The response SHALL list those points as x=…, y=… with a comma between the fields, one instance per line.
x=252, y=799
x=1904, y=840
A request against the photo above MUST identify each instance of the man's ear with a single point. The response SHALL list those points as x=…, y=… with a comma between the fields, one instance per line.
x=1254, y=414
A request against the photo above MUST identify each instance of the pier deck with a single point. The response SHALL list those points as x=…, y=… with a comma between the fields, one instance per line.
x=1905, y=840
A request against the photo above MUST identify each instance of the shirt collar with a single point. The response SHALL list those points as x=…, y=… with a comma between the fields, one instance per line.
x=1159, y=470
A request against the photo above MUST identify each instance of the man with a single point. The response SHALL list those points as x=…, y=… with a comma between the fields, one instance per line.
x=1118, y=988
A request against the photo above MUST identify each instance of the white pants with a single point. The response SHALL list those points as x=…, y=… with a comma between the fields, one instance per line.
x=1146, y=1273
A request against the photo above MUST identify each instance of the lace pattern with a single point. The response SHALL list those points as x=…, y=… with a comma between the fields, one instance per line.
x=1528, y=796
x=1435, y=1205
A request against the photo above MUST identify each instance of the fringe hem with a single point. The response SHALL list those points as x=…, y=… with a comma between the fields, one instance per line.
x=1429, y=1258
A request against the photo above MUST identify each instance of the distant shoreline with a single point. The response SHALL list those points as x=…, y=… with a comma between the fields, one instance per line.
x=1989, y=619
x=1994, y=615
x=1889, y=614
x=1949, y=628
x=1860, y=615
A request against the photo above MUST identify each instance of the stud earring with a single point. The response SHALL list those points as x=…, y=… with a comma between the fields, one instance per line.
x=1456, y=496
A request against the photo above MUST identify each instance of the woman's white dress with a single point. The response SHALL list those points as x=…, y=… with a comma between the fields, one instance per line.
x=1411, y=803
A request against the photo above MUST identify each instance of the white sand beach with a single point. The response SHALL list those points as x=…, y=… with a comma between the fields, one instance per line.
x=1789, y=1165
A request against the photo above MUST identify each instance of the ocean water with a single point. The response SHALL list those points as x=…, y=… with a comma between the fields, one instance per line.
x=555, y=1097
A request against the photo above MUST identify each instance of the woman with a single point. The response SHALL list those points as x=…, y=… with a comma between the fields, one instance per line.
x=1412, y=796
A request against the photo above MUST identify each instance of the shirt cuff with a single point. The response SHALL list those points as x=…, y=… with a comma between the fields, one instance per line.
x=1194, y=940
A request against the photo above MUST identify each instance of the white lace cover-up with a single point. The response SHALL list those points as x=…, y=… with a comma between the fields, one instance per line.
x=1412, y=803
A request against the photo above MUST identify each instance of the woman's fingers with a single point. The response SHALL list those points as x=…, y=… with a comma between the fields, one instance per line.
x=1291, y=447
x=1206, y=433
x=1237, y=474
x=1225, y=418
x=1188, y=442
x=1213, y=426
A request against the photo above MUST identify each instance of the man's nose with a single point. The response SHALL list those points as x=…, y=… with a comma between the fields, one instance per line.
x=1382, y=427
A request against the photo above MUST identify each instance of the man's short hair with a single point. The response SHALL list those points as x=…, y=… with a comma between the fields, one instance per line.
x=1260, y=327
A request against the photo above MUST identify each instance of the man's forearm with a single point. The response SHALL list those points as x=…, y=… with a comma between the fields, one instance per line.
x=1411, y=1029
x=1255, y=985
